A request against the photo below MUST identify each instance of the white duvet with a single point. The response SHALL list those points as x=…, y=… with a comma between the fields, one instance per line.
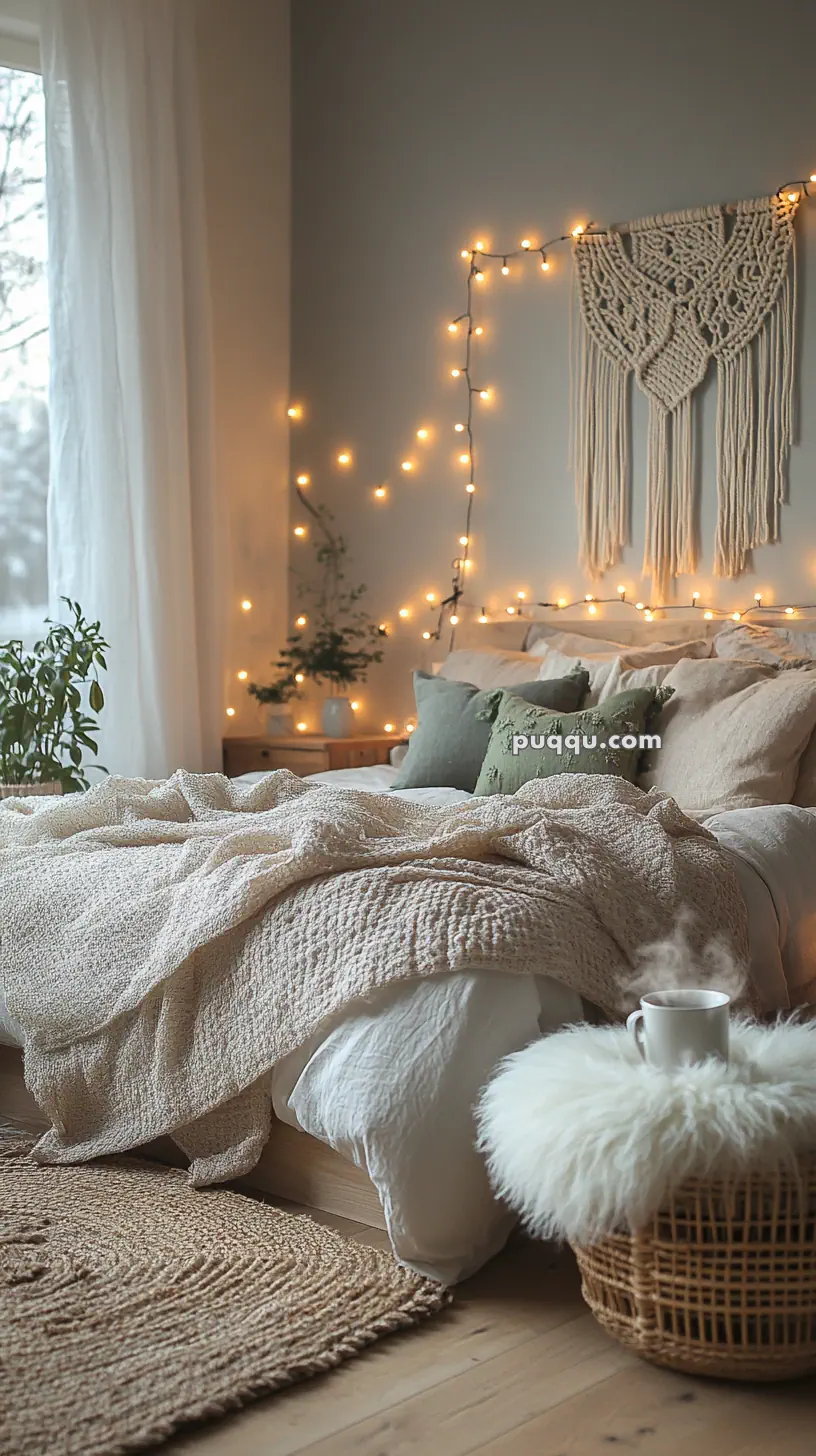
x=393, y=1085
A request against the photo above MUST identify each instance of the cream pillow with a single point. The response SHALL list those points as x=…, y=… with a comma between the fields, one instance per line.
x=776, y=645
x=489, y=667
x=605, y=671
x=732, y=735
x=573, y=643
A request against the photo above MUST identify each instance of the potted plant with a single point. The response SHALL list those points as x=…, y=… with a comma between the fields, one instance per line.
x=340, y=642
x=276, y=696
x=45, y=725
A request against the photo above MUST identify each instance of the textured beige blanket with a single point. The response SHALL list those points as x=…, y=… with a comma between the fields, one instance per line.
x=163, y=946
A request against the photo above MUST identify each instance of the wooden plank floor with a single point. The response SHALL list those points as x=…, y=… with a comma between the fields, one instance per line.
x=518, y=1367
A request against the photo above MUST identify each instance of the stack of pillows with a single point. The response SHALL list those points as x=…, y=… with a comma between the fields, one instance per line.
x=736, y=715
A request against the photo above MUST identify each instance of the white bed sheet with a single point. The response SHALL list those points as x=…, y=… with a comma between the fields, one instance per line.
x=392, y=1083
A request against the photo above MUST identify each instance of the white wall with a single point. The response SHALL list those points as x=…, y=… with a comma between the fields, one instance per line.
x=244, y=76
x=419, y=127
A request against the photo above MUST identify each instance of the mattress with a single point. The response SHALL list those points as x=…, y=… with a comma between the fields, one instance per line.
x=392, y=1084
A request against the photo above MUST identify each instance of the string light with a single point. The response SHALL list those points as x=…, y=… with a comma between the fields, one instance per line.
x=639, y=606
x=430, y=597
x=422, y=434
x=463, y=540
x=621, y=592
x=453, y=619
x=301, y=727
x=479, y=276
x=525, y=243
x=757, y=598
x=230, y=712
x=246, y=605
x=459, y=429
x=464, y=459
x=592, y=609
x=454, y=328
x=354, y=705
x=464, y=253
x=707, y=616
x=545, y=264
x=478, y=330
x=578, y=230
x=561, y=603
x=303, y=479
x=299, y=677
x=380, y=492
x=409, y=727
x=649, y=610
x=484, y=393
x=295, y=411
x=242, y=675
x=301, y=621
x=455, y=373
x=789, y=611
x=470, y=487
x=479, y=247
x=504, y=268
x=483, y=616
x=344, y=458
x=407, y=466
x=736, y=616
x=695, y=596
x=388, y=727
x=299, y=531
x=404, y=612
x=426, y=636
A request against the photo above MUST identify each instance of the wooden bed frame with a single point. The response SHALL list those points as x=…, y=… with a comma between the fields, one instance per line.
x=293, y=1165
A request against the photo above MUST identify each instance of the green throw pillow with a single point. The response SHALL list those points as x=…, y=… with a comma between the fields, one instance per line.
x=509, y=763
x=454, y=721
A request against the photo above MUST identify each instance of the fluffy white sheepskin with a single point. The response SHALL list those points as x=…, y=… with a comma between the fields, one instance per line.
x=582, y=1138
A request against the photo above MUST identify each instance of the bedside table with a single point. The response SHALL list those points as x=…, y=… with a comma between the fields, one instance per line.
x=306, y=753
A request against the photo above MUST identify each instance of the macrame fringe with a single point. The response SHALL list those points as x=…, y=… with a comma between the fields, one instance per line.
x=600, y=454
x=671, y=545
x=755, y=431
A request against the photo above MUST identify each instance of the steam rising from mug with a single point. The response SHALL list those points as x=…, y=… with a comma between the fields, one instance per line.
x=673, y=964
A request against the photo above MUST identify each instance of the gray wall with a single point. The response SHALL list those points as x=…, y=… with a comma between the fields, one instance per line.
x=418, y=127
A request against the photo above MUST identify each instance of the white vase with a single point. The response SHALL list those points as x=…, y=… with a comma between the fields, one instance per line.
x=279, y=721
x=338, y=718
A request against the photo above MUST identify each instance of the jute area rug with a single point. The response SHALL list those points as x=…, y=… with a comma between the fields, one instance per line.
x=131, y=1303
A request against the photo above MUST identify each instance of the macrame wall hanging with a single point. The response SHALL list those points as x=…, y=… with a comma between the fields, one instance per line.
x=660, y=298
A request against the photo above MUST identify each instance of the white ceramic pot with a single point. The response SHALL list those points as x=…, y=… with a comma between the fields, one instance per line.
x=338, y=718
x=279, y=721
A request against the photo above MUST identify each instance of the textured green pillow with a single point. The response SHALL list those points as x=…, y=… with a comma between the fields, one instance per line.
x=454, y=721
x=626, y=714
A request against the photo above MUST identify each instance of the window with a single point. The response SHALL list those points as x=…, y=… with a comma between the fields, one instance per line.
x=23, y=354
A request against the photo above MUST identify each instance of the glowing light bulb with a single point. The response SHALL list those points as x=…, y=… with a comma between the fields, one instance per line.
x=380, y=492
x=407, y=465
x=388, y=727
x=592, y=609
x=648, y=615
x=409, y=727
x=344, y=458
x=707, y=616
x=242, y=675
x=467, y=562
x=478, y=330
x=299, y=677
x=813, y=176
x=463, y=540
x=453, y=619
x=526, y=243
x=521, y=596
x=793, y=197
x=589, y=597
x=545, y=265
x=301, y=621
x=464, y=459
x=426, y=636
x=423, y=433
x=470, y=487
x=577, y=230
x=757, y=597
x=695, y=596
x=459, y=429
x=404, y=612
x=301, y=727
x=354, y=705
x=382, y=628
x=736, y=616
x=299, y=531
x=562, y=602
x=295, y=411
x=230, y=712
x=789, y=611
x=304, y=480
x=465, y=253
x=484, y=393
x=455, y=373
x=621, y=590
x=479, y=276
x=478, y=247
x=246, y=605
x=511, y=611
x=482, y=617
x=638, y=606
x=453, y=328
x=430, y=596
x=504, y=268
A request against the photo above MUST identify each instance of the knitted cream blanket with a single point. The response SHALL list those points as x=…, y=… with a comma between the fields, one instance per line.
x=162, y=946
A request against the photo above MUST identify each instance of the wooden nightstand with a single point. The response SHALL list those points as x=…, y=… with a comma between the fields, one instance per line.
x=306, y=753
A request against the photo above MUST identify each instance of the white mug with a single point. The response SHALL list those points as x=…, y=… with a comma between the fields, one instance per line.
x=675, y=1028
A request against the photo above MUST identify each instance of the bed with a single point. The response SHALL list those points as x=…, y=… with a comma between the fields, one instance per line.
x=374, y=1114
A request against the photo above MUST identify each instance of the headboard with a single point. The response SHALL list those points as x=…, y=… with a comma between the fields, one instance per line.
x=516, y=633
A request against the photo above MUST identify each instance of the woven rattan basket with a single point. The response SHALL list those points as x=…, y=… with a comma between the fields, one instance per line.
x=723, y=1282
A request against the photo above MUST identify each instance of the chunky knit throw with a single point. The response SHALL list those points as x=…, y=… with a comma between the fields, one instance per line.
x=661, y=298
x=163, y=946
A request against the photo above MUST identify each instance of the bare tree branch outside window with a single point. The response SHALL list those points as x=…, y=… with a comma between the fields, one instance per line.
x=23, y=355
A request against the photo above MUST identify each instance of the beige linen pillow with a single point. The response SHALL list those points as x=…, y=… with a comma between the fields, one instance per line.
x=573, y=644
x=604, y=671
x=776, y=645
x=489, y=667
x=732, y=735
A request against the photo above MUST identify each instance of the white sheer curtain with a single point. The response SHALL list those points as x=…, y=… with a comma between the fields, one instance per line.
x=134, y=523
